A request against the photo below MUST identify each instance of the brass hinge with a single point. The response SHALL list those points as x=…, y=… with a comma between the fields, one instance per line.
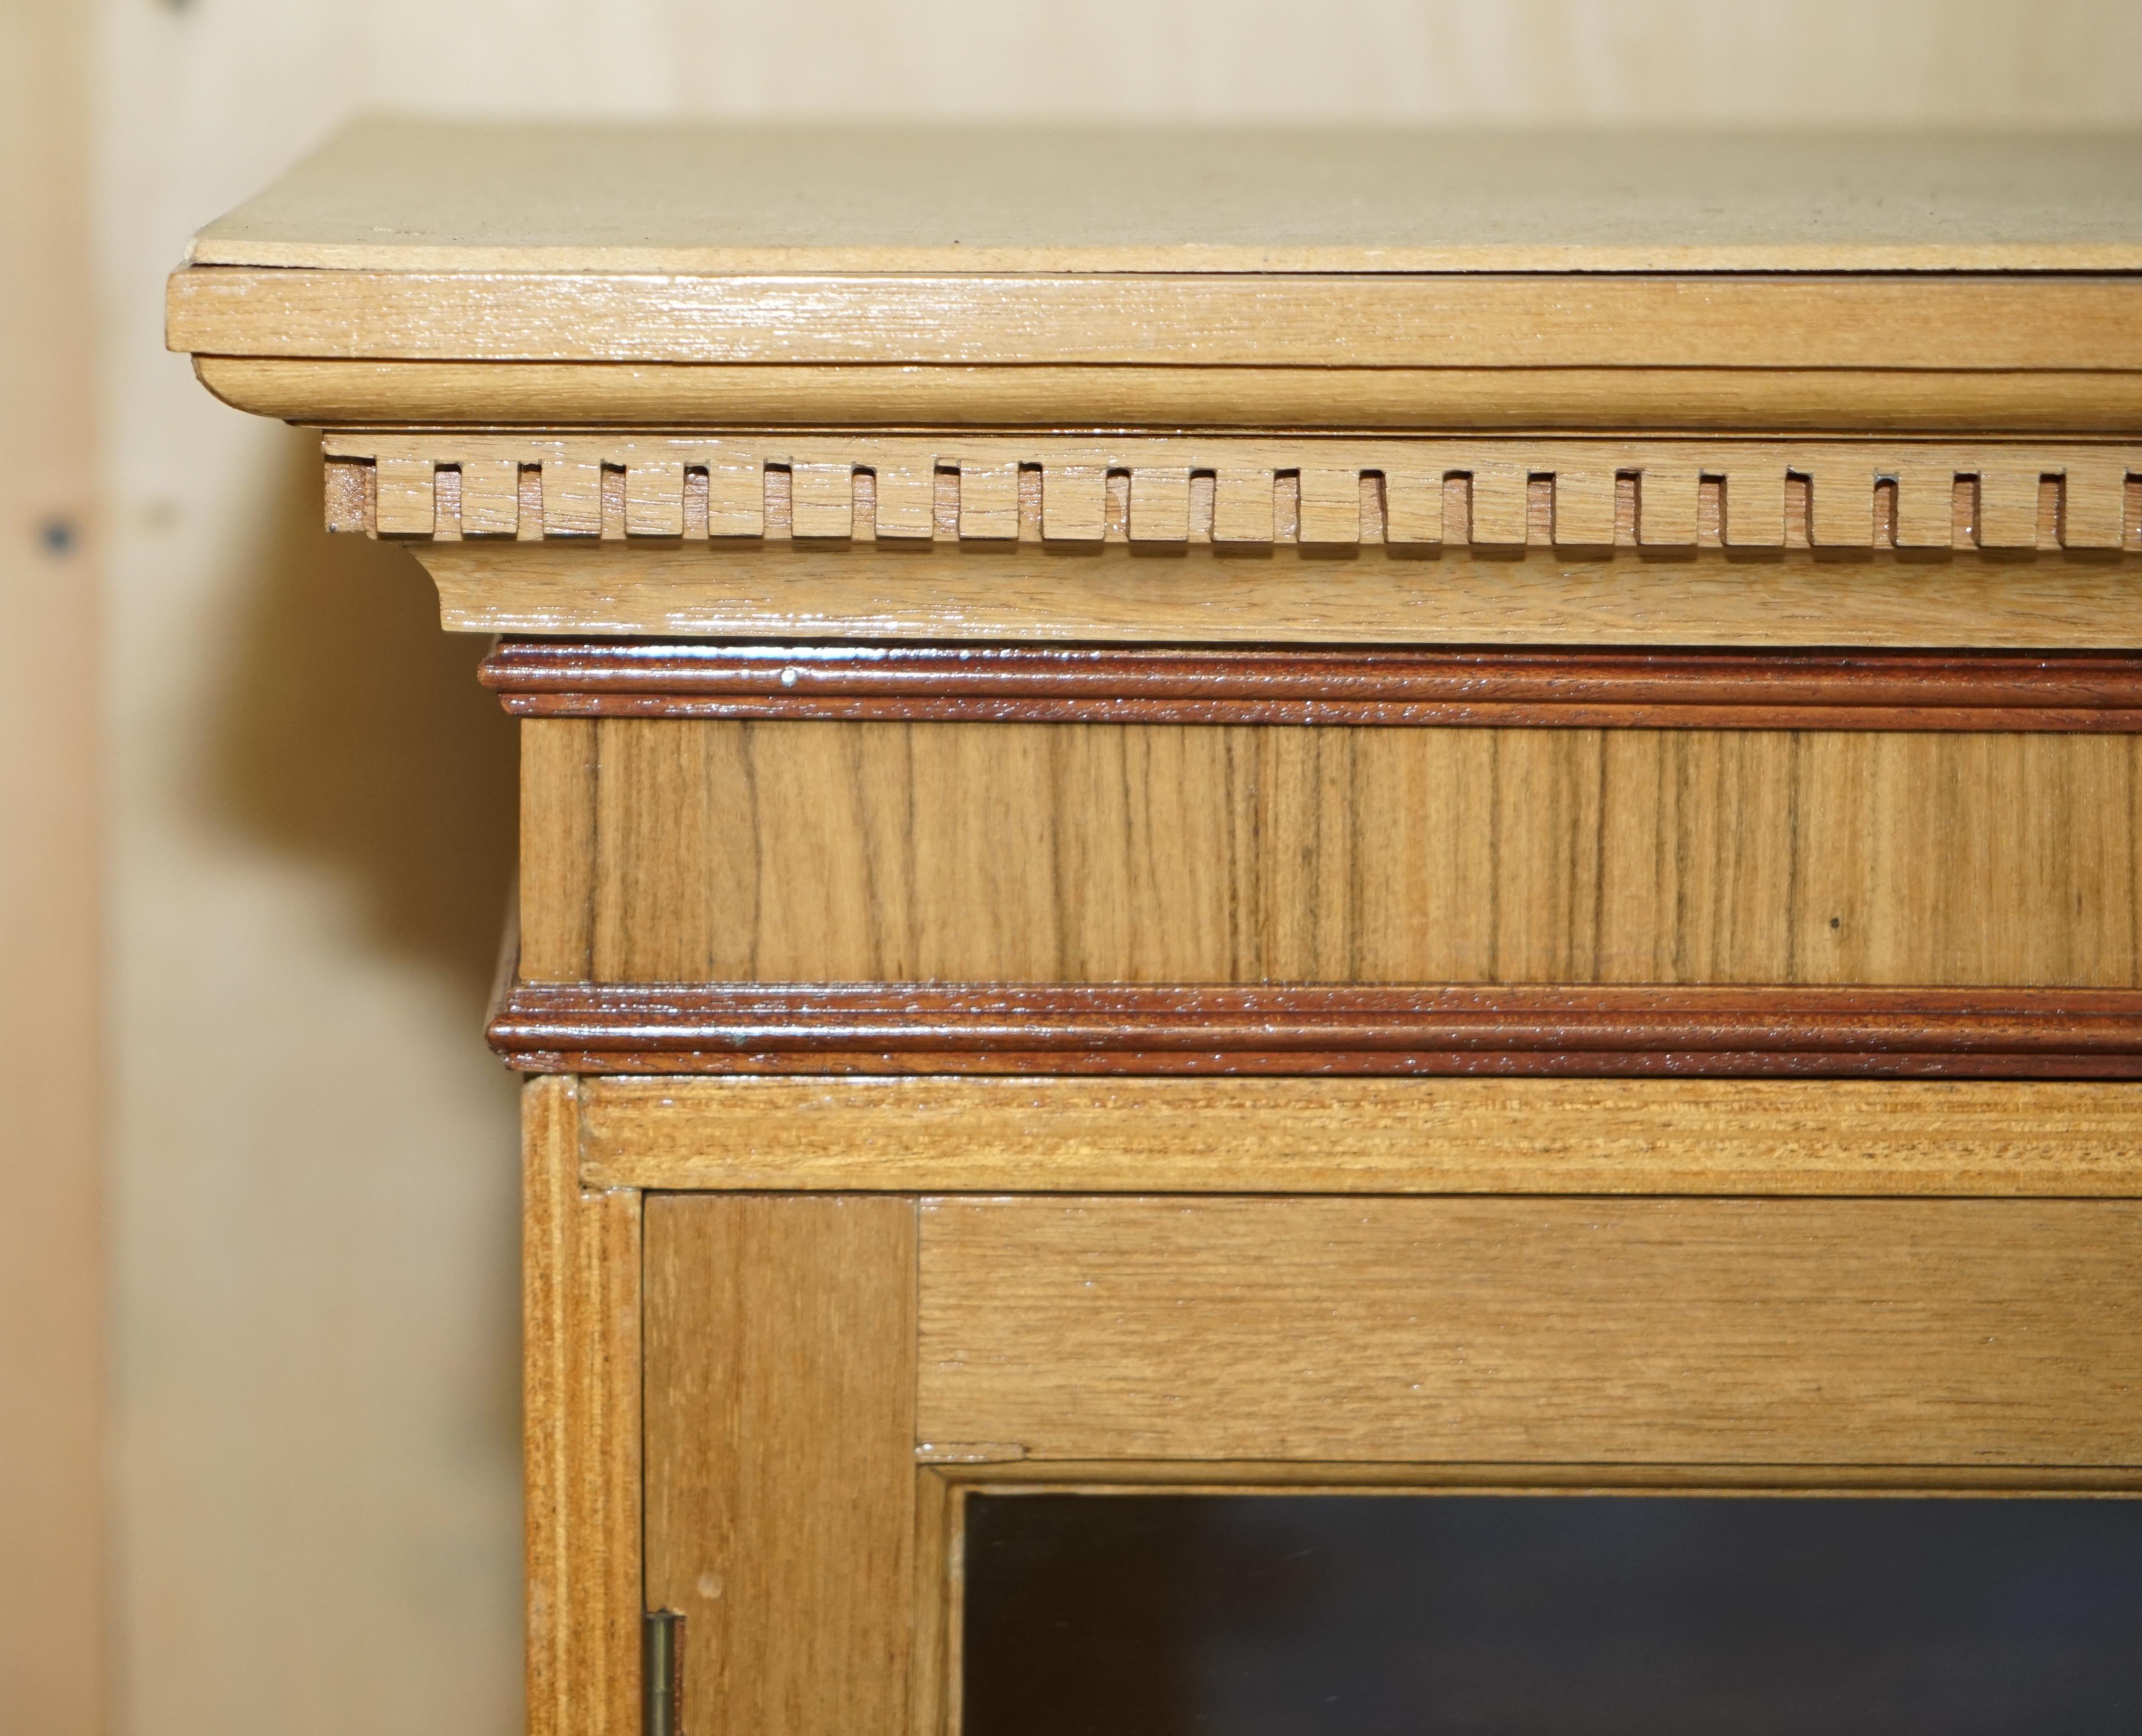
x=661, y=1674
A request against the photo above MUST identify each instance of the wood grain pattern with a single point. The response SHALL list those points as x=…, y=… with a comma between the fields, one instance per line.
x=781, y=1483
x=785, y=1512
x=1571, y=688
x=731, y=851
x=936, y=1135
x=1697, y=400
x=1948, y=322
x=694, y=196
x=581, y=1397
x=1458, y=596
x=1409, y=493
x=1697, y=1331
x=894, y=1028
x=940, y=1576
x=555, y=888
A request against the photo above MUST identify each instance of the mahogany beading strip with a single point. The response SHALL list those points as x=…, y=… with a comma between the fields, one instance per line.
x=1908, y=690
x=1516, y=1064
x=1701, y=1031
x=1535, y=715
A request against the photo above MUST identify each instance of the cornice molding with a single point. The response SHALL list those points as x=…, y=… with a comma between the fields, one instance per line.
x=1071, y=492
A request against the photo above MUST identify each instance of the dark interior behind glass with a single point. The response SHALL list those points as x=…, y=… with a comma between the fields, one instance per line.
x=1146, y=1614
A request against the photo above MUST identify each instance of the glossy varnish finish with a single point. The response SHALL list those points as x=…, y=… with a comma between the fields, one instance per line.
x=1769, y=1030
x=1550, y=687
x=664, y=852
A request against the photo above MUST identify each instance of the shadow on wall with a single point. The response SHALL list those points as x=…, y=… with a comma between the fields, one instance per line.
x=339, y=1377
x=354, y=733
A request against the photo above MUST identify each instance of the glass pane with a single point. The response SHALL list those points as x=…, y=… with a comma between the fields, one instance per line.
x=1550, y=1615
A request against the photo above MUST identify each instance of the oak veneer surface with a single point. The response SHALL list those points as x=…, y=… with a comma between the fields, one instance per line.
x=696, y=284
x=985, y=1472
x=368, y=391
x=1240, y=494
x=1863, y=1332
x=1223, y=539
x=1458, y=597
x=407, y=195
x=781, y=1503
x=667, y=851
x=1362, y=1136
x=581, y=1386
x=1971, y=322
x=411, y=272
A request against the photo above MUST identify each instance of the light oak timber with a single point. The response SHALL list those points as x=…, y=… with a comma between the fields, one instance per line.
x=1998, y=323
x=1116, y=592
x=403, y=193
x=1850, y=394
x=939, y=1580
x=1326, y=491
x=782, y=1508
x=815, y=852
x=581, y=1397
x=558, y=793
x=936, y=1135
x=570, y=394
x=1279, y=1477
x=1860, y=1331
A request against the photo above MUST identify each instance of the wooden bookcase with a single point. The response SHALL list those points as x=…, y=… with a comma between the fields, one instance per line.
x=1368, y=816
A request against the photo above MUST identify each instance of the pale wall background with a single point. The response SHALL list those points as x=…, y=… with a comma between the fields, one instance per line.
x=315, y=1527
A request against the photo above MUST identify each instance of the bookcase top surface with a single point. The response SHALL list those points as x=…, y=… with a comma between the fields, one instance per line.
x=392, y=193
